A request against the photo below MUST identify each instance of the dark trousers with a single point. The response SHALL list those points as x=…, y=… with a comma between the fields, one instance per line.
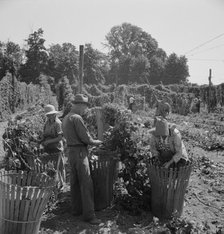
x=82, y=197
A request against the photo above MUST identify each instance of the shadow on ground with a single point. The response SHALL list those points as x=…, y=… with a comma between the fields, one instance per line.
x=59, y=220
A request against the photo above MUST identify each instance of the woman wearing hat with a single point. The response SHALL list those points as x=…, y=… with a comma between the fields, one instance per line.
x=162, y=109
x=78, y=138
x=166, y=144
x=52, y=141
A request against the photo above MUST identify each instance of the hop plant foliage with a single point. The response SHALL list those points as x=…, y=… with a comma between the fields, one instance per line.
x=129, y=139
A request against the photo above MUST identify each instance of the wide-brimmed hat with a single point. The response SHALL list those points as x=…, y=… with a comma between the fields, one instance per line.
x=81, y=99
x=161, y=127
x=167, y=107
x=50, y=109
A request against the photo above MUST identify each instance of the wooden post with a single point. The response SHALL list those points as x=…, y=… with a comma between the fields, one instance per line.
x=209, y=90
x=81, y=61
x=100, y=123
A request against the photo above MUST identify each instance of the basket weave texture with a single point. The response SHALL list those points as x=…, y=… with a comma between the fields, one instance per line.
x=23, y=198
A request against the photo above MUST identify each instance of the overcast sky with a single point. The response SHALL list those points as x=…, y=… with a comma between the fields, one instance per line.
x=194, y=28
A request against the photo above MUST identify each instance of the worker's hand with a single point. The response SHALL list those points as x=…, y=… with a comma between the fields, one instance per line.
x=98, y=142
x=45, y=143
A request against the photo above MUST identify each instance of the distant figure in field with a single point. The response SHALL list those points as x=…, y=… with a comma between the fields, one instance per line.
x=131, y=103
x=195, y=106
x=183, y=106
x=198, y=105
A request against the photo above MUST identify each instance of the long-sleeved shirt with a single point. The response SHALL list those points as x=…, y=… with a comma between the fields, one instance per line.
x=75, y=131
x=53, y=130
x=173, y=142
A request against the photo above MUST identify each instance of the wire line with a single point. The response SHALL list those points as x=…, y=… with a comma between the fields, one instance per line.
x=198, y=59
x=211, y=48
x=199, y=46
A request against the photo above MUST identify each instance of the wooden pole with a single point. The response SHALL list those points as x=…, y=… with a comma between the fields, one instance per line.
x=209, y=90
x=81, y=62
x=100, y=123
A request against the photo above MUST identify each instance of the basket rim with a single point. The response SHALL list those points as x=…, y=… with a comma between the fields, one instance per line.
x=189, y=165
x=27, y=186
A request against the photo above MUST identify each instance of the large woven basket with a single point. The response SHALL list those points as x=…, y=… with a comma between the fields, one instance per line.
x=23, y=197
x=103, y=172
x=168, y=189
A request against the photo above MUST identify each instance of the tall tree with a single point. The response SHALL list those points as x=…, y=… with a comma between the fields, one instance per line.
x=130, y=48
x=63, y=61
x=157, y=66
x=95, y=65
x=10, y=58
x=176, y=69
x=37, y=57
x=128, y=39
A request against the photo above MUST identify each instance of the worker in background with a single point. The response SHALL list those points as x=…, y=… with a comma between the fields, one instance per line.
x=131, y=103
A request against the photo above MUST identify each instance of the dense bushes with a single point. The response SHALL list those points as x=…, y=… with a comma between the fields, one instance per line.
x=16, y=96
x=130, y=140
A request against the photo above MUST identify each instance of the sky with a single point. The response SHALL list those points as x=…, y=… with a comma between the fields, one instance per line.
x=194, y=28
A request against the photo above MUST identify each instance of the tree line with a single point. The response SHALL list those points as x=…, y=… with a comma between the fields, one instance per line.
x=133, y=57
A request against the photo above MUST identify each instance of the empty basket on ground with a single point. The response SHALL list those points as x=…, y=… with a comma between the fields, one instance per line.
x=23, y=198
x=168, y=189
x=103, y=172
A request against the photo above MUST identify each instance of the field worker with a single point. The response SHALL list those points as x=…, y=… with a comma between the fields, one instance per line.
x=194, y=108
x=184, y=105
x=162, y=108
x=52, y=141
x=131, y=103
x=166, y=144
x=198, y=105
x=78, y=138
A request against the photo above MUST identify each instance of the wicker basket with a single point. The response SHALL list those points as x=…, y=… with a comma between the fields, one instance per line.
x=103, y=172
x=23, y=197
x=168, y=189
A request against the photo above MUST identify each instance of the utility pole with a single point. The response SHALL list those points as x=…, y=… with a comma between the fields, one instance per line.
x=209, y=90
x=81, y=62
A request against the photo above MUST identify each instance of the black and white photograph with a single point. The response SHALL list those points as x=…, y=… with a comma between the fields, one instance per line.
x=111, y=117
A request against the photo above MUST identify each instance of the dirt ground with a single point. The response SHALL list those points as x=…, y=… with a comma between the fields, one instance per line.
x=203, y=206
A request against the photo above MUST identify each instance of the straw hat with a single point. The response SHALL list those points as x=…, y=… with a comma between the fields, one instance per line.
x=50, y=109
x=166, y=107
x=81, y=99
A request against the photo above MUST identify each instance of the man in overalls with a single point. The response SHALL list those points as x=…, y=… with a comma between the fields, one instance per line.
x=78, y=138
